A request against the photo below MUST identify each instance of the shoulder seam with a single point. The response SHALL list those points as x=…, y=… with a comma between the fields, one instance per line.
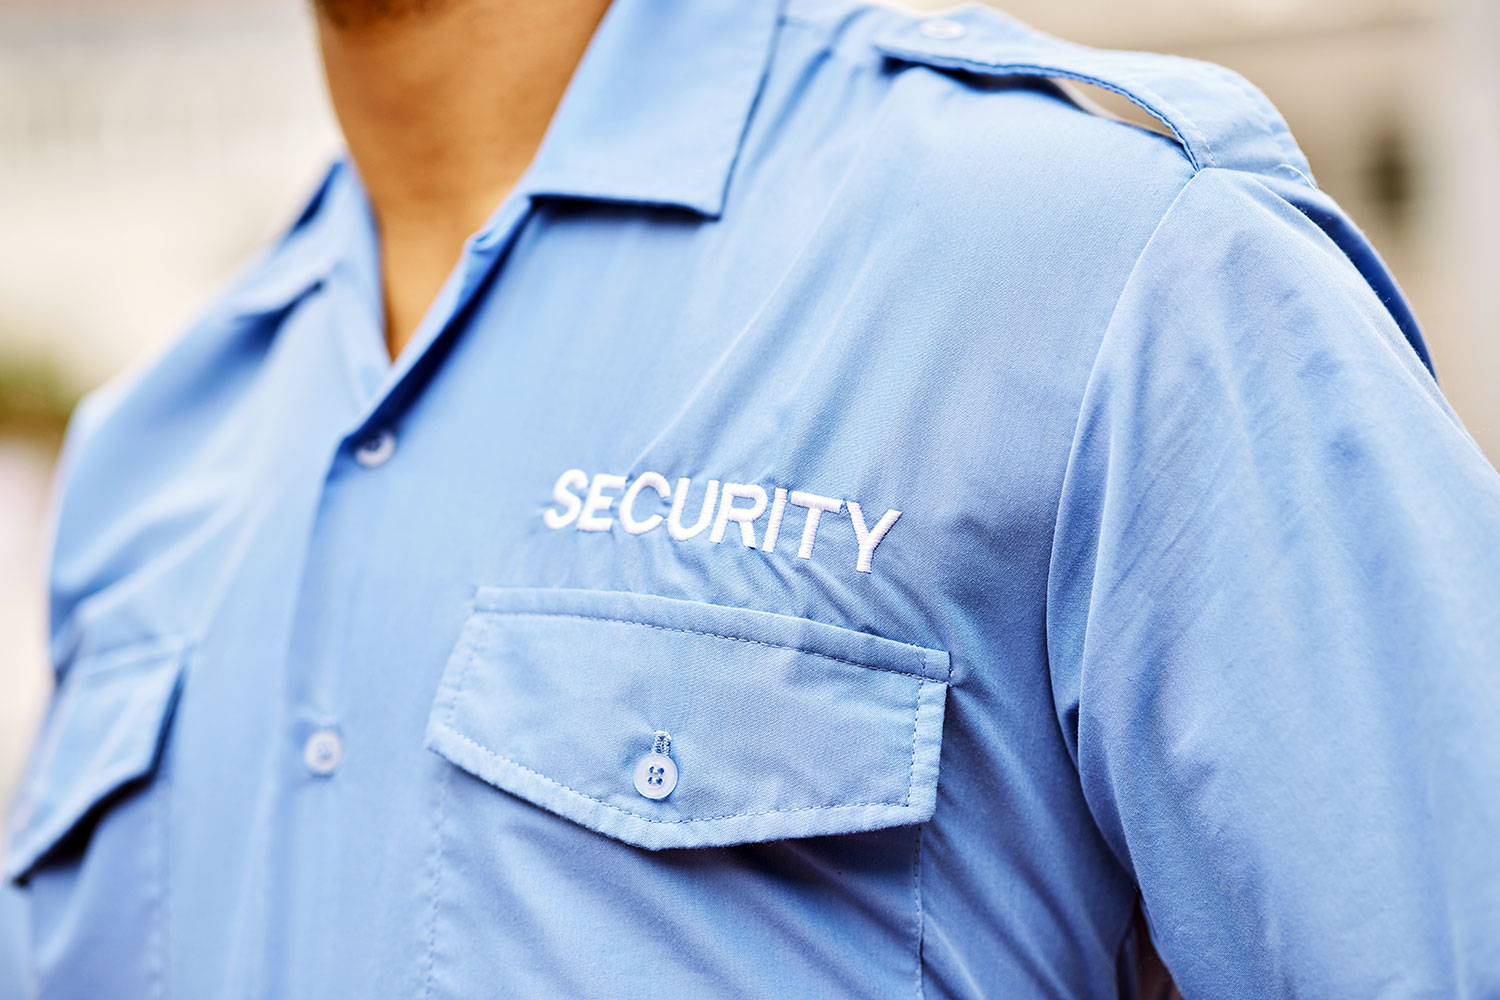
x=1047, y=610
x=1115, y=309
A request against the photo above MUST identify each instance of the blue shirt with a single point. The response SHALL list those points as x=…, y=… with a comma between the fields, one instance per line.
x=853, y=524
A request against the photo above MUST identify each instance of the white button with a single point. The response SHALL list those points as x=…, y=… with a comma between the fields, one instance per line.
x=323, y=752
x=376, y=450
x=941, y=27
x=655, y=775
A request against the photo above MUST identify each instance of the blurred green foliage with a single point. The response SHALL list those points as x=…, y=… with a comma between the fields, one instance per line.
x=36, y=399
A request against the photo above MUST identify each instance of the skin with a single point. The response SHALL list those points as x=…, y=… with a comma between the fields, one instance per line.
x=443, y=104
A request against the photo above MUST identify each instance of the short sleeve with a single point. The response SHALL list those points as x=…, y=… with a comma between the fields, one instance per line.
x=1274, y=620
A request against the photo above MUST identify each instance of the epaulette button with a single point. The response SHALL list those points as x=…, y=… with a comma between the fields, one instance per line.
x=942, y=28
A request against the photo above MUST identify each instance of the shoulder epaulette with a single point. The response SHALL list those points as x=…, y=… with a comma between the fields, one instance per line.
x=1218, y=117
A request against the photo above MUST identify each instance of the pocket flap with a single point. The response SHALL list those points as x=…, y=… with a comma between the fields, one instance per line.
x=103, y=730
x=780, y=727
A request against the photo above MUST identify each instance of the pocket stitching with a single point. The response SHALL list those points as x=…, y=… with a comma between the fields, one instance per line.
x=125, y=662
x=691, y=819
x=717, y=635
x=916, y=719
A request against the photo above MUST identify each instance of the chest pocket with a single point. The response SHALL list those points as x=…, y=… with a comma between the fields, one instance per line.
x=103, y=735
x=779, y=727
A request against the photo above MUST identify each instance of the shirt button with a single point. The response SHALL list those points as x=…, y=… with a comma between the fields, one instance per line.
x=655, y=775
x=941, y=27
x=323, y=752
x=377, y=450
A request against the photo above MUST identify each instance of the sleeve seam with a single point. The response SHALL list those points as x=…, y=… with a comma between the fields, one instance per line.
x=1088, y=382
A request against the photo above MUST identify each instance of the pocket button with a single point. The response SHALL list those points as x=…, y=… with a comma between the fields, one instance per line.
x=323, y=752
x=655, y=775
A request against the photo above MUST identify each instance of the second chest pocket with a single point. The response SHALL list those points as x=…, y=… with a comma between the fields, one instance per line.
x=780, y=727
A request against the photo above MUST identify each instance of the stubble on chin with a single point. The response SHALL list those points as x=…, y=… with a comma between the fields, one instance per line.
x=356, y=14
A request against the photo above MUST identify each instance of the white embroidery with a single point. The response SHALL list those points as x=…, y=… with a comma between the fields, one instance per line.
x=590, y=511
x=742, y=515
x=663, y=489
x=679, y=500
x=773, y=530
x=590, y=520
x=815, y=505
x=562, y=492
x=869, y=538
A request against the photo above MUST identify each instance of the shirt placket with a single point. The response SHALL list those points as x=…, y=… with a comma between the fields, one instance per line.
x=318, y=739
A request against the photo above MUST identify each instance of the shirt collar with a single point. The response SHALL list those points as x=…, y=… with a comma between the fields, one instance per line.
x=327, y=230
x=654, y=114
x=657, y=108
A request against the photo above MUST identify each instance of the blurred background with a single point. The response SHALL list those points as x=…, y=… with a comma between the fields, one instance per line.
x=148, y=147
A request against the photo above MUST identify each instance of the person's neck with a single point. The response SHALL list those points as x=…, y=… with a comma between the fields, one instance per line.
x=443, y=106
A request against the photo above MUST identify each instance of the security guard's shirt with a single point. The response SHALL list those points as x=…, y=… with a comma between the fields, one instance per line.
x=853, y=524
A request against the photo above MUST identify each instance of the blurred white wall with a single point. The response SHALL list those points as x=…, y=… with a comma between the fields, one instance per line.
x=24, y=470
x=146, y=151
x=147, y=148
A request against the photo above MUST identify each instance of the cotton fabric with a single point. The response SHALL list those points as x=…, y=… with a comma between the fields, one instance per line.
x=1190, y=600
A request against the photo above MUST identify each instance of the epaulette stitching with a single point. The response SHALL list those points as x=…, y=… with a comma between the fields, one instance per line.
x=1179, y=124
x=1153, y=104
x=1258, y=113
x=1147, y=98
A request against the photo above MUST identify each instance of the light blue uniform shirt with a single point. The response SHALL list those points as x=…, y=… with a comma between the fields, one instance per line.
x=854, y=524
